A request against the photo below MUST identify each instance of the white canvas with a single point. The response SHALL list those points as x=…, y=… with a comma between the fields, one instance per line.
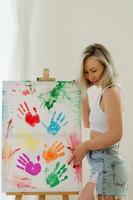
x=41, y=126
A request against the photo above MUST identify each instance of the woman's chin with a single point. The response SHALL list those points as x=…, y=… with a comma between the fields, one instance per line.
x=96, y=83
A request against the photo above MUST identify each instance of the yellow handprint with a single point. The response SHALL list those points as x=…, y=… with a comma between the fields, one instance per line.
x=31, y=142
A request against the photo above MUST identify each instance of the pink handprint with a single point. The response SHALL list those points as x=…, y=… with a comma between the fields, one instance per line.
x=28, y=166
x=29, y=117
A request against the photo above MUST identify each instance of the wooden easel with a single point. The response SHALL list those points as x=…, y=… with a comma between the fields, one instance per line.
x=45, y=76
x=42, y=195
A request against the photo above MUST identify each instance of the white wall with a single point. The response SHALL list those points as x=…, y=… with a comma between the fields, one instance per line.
x=61, y=29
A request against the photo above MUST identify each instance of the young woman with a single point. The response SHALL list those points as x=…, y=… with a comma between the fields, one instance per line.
x=108, y=168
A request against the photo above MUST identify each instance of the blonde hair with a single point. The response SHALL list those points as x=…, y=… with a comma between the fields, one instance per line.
x=100, y=53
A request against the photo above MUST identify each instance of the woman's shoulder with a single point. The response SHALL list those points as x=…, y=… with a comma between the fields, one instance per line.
x=112, y=89
x=113, y=95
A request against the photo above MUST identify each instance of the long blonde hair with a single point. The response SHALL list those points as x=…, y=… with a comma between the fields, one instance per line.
x=100, y=53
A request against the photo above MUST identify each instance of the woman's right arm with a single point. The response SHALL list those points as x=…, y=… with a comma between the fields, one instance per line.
x=85, y=112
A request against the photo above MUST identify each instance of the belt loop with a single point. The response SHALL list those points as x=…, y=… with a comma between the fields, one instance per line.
x=90, y=153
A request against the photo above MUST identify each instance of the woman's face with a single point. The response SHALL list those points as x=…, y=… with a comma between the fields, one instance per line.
x=93, y=70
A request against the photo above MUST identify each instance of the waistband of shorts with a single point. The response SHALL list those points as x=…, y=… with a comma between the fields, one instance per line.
x=113, y=147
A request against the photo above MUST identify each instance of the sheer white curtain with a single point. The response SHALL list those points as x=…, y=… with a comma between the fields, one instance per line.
x=5, y=41
x=21, y=61
x=20, y=65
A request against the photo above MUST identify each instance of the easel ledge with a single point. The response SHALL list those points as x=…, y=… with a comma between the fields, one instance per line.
x=45, y=76
x=42, y=195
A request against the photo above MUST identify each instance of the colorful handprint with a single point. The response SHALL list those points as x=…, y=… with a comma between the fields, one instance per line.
x=53, y=152
x=28, y=166
x=55, y=124
x=27, y=89
x=54, y=178
x=30, y=141
x=31, y=119
x=51, y=99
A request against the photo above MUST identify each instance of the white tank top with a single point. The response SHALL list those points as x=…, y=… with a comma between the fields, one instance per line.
x=97, y=118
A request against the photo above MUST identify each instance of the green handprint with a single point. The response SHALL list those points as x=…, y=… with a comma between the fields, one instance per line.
x=54, y=178
x=52, y=97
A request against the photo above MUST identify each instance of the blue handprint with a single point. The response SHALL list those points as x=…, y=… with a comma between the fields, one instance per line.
x=55, y=124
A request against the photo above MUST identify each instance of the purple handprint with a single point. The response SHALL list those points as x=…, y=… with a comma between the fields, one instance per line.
x=28, y=165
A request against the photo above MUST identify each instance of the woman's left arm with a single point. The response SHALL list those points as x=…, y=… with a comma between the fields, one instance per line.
x=113, y=110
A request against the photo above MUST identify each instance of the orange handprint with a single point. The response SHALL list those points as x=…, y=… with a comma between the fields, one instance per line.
x=53, y=152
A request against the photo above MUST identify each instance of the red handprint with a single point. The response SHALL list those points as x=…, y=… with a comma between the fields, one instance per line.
x=31, y=119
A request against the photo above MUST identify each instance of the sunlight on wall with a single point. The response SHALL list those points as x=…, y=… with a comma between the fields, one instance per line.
x=6, y=37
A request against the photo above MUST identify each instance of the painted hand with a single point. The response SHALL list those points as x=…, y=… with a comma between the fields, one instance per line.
x=28, y=166
x=78, y=154
x=76, y=167
x=56, y=124
x=31, y=119
x=53, y=152
x=54, y=178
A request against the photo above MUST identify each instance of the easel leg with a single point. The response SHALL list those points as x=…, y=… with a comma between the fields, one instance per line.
x=18, y=197
x=65, y=197
x=42, y=197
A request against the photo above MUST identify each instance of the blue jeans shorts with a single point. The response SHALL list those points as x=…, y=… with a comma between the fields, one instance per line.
x=109, y=170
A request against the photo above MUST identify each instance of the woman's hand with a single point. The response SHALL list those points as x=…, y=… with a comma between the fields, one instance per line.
x=79, y=153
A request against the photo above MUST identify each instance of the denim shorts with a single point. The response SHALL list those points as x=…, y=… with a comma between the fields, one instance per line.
x=109, y=170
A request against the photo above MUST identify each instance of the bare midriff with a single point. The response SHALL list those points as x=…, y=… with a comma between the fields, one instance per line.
x=94, y=134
